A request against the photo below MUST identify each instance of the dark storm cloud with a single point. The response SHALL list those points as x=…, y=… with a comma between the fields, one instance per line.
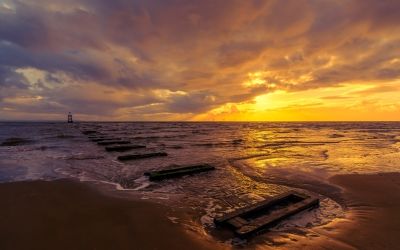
x=34, y=25
x=11, y=83
x=77, y=66
x=205, y=49
x=10, y=78
x=103, y=107
x=192, y=103
x=36, y=37
x=258, y=90
x=233, y=54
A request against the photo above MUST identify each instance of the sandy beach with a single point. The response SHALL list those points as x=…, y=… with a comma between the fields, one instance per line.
x=371, y=222
x=199, y=125
x=66, y=214
x=374, y=204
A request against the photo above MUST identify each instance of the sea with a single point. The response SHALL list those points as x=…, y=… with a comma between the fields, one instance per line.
x=253, y=160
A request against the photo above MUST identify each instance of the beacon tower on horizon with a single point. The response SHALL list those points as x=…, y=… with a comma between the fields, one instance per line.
x=70, y=118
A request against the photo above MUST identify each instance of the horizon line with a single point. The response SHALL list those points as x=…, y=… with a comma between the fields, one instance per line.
x=206, y=121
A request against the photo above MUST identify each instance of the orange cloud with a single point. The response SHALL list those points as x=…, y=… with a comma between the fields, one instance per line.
x=216, y=59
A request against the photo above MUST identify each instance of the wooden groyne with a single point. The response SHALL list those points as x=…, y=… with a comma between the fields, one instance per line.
x=105, y=139
x=178, y=172
x=105, y=143
x=249, y=220
x=89, y=132
x=122, y=148
x=141, y=156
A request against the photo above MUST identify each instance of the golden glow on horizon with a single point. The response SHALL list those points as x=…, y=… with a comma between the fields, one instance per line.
x=200, y=60
x=354, y=101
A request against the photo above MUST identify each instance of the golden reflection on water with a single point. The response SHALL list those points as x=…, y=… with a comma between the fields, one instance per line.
x=327, y=150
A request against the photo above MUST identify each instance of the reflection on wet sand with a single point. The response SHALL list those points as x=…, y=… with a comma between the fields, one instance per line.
x=253, y=161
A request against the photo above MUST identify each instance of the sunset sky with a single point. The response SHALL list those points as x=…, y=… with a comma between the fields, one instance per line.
x=232, y=60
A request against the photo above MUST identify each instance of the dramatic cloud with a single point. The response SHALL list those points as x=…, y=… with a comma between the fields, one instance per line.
x=192, y=59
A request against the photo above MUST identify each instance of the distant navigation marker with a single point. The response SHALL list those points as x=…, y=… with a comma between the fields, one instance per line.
x=70, y=118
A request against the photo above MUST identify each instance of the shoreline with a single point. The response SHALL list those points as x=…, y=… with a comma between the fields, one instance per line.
x=371, y=222
x=67, y=214
x=374, y=204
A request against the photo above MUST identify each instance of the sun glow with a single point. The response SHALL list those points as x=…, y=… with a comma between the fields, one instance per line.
x=348, y=101
x=244, y=60
x=255, y=79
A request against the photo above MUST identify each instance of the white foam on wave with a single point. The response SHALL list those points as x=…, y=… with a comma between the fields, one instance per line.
x=144, y=183
x=207, y=220
x=325, y=213
x=173, y=219
x=236, y=242
x=117, y=185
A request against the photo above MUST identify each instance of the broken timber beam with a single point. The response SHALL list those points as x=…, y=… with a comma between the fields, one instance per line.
x=105, y=143
x=141, y=156
x=122, y=148
x=89, y=132
x=105, y=139
x=249, y=220
x=178, y=172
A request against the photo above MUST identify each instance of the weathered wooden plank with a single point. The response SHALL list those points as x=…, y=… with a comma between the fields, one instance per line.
x=179, y=171
x=252, y=219
x=105, y=139
x=89, y=132
x=268, y=202
x=275, y=217
x=95, y=136
x=122, y=148
x=105, y=143
x=177, y=168
x=237, y=222
x=141, y=156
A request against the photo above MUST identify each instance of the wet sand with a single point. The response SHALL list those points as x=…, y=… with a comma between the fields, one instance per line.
x=374, y=204
x=67, y=214
x=71, y=215
x=372, y=219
